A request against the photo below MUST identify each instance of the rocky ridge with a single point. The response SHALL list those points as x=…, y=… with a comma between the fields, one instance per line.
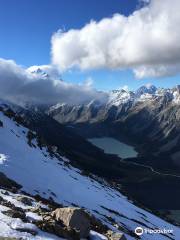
x=150, y=116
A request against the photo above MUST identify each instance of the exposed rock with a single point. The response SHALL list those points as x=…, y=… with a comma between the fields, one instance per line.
x=15, y=214
x=39, y=210
x=6, y=193
x=58, y=228
x=9, y=184
x=115, y=236
x=8, y=204
x=51, y=204
x=97, y=225
x=26, y=200
x=74, y=218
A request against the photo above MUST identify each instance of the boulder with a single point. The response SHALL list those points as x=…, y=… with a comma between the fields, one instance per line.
x=58, y=228
x=75, y=218
x=115, y=236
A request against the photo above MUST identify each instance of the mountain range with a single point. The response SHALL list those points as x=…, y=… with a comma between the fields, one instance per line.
x=149, y=116
x=45, y=155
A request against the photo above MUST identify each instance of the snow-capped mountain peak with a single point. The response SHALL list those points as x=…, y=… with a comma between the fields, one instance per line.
x=176, y=94
x=117, y=97
x=40, y=72
x=146, y=89
x=44, y=72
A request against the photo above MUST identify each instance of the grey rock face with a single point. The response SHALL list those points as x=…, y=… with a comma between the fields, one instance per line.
x=74, y=218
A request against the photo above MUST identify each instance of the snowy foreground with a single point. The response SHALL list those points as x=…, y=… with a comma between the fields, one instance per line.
x=48, y=176
x=9, y=226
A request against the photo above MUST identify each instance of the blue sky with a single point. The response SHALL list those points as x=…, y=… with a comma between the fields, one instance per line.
x=26, y=28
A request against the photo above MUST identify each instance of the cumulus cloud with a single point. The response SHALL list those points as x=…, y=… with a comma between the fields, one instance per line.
x=147, y=41
x=21, y=86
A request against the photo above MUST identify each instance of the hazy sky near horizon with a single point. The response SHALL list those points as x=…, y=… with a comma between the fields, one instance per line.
x=27, y=27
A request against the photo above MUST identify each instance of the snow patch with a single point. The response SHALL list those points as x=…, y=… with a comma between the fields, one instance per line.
x=3, y=158
x=97, y=236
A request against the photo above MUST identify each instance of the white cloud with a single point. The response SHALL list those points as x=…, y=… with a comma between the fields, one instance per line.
x=89, y=82
x=20, y=85
x=160, y=70
x=125, y=87
x=147, y=41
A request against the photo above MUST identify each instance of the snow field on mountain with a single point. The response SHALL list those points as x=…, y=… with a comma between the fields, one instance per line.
x=39, y=173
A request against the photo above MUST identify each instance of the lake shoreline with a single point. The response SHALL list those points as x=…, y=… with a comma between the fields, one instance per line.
x=113, y=146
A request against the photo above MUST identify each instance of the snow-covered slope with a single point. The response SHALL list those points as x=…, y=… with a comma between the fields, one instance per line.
x=9, y=226
x=16, y=228
x=51, y=176
x=117, y=97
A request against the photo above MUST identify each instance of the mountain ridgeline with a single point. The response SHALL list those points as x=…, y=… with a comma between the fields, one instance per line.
x=149, y=118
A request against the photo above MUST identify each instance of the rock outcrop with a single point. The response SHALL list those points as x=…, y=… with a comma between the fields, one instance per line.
x=74, y=218
x=50, y=225
x=8, y=184
x=115, y=236
x=25, y=200
x=15, y=213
